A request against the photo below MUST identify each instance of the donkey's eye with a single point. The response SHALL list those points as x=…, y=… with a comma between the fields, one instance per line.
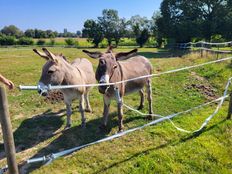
x=50, y=72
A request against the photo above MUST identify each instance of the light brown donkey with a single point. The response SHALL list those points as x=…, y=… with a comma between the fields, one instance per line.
x=58, y=71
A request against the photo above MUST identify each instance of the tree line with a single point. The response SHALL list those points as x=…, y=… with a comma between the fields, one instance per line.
x=113, y=28
x=12, y=30
x=177, y=21
x=184, y=20
x=11, y=35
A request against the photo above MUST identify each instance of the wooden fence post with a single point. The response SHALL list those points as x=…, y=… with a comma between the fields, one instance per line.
x=230, y=108
x=7, y=133
x=201, y=50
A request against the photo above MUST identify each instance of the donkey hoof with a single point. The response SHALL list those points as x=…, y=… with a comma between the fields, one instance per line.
x=140, y=107
x=88, y=110
x=120, y=130
x=102, y=127
x=150, y=117
x=83, y=125
x=68, y=126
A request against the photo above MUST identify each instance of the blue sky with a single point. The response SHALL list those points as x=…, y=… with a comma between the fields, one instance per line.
x=70, y=14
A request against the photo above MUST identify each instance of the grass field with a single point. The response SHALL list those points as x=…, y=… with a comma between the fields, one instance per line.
x=157, y=149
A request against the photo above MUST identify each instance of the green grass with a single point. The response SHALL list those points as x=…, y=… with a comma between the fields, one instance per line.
x=156, y=149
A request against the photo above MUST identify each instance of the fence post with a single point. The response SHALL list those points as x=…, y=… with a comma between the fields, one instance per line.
x=7, y=133
x=201, y=50
x=217, y=51
x=230, y=108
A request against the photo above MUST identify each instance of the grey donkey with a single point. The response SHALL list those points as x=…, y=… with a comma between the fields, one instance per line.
x=114, y=67
x=58, y=71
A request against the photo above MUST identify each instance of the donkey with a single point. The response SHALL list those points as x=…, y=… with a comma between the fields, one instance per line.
x=58, y=71
x=112, y=69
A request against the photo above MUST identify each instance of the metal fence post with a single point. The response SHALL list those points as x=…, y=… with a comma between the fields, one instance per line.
x=7, y=133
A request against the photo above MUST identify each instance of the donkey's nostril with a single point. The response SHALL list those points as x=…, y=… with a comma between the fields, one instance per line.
x=102, y=62
x=44, y=94
x=39, y=91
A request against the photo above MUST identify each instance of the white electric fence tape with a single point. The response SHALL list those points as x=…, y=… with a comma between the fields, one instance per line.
x=208, y=43
x=49, y=158
x=50, y=87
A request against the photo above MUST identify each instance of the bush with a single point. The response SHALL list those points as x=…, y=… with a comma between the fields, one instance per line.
x=7, y=40
x=217, y=38
x=103, y=43
x=40, y=42
x=127, y=42
x=25, y=41
x=71, y=42
x=52, y=42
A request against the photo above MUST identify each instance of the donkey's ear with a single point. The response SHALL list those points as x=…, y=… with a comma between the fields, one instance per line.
x=41, y=54
x=126, y=55
x=110, y=49
x=94, y=55
x=50, y=55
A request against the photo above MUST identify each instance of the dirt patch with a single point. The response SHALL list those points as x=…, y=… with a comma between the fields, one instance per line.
x=54, y=97
x=203, y=87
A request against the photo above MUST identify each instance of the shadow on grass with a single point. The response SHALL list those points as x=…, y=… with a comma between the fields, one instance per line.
x=164, y=54
x=169, y=143
x=34, y=130
x=75, y=136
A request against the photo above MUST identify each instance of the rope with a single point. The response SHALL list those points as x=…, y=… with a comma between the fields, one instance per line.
x=49, y=87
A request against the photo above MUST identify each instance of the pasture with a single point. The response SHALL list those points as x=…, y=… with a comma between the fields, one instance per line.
x=37, y=124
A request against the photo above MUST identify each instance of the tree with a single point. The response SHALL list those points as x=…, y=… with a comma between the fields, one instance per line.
x=92, y=30
x=25, y=41
x=212, y=13
x=154, y=28
x=226, y=28
x=108, y=22
x=7, y=40
x=142, y=38
x=50, y=34
x=119, y=30
x=29, y=33
x=40, y=34
x=141, y=28
x=78, y=33
x=12, y=30
x=183, y=20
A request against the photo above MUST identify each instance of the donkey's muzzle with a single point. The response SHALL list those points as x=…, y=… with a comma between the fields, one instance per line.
x=103, y=89
x=43, y=93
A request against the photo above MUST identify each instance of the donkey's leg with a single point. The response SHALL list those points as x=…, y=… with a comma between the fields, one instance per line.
x=82, y=109
x=149, y=97
x=68, y=103
x=88, y=107
x=120, y=116
x=141, y=93
x=107, y=101
x=69, y=113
